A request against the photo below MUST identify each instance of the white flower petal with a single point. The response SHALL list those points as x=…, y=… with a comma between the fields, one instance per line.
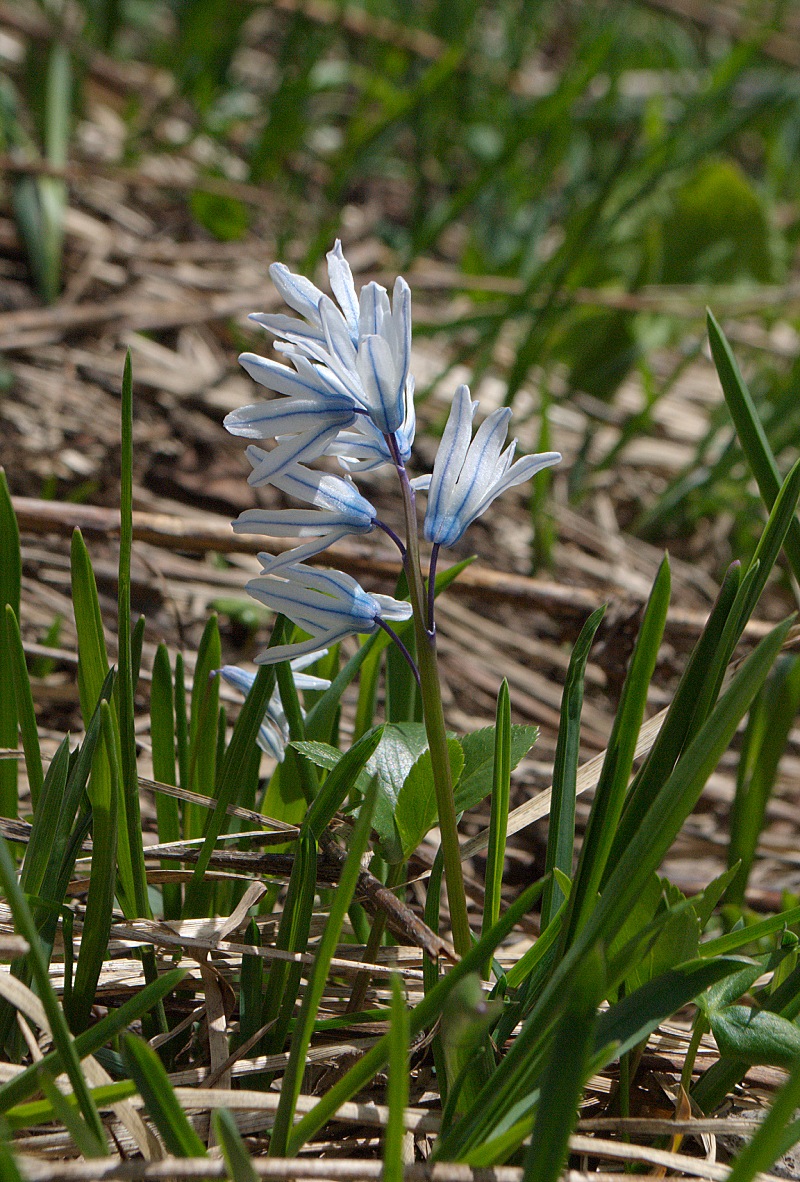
x=297, y=291
x=342, y=286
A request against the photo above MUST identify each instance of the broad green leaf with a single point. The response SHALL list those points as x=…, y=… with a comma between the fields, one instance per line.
x=755, y=1036
x=476, y=778
x=415, y=812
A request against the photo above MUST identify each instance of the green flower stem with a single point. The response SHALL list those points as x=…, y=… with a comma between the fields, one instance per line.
x=433, y=712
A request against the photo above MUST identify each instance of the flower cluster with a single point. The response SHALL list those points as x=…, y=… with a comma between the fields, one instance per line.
x=345, y=391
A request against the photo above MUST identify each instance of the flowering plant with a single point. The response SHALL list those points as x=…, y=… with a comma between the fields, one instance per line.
x=346, y=391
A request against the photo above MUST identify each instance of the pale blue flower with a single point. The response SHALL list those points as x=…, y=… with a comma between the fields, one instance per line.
x=303, y=423
x=339, y=510
x=469, y=473
x=273, y=734
x=364, y=447
x=361, y=349
x=327, y=604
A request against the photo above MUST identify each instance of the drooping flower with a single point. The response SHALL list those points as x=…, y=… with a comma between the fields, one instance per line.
x=360, y=349
x=468, y=474
x=273, y=734
x=328, y=604
x=339, y=510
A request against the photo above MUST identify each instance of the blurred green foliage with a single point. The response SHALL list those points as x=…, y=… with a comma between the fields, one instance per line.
x=567, y=159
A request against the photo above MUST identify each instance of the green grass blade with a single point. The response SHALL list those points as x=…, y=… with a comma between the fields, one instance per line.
x=237, y=1159
x=680, y=793
x=8, y=1166
x=10, y=583
x=561, y=832
x=39, y=1112
x=423, y=1015
x=45, y=822
x=613, y=784
x=162, y=738
x=147, y=1072
x=104, y=796
x=17, y=1089
x=752, y=435
x=687, y=711
x=202, y=754
x=498, y=818
x=250, y=987
x=131, y=835
x=625, y=884
x=336, y=787
x=66, y=1054
x=181, y=724
x=93, y=669
x=25, y=708
x=771, y=719
x=769, y=1140
x=234, y=764
x=565, y=1074
x=283, y=982
x=312, y=995
x=84, y=1137
x=397, y=1087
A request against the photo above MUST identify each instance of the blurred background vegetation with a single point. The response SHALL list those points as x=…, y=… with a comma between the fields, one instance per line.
x=579, y=177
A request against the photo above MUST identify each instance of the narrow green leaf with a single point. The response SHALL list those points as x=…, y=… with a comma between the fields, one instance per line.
x=65, y=1051
x=162, y=739
x=423, y=1014
x=772, y=1138
x=565, y=1074
x=152, y=1083
x=202, y=754
x=694, y=697
x=752, y=435
x=104, y=797
x=24, y=699
x=312, y=995
x=10, y=583
x=561, y=831
x=498, y=818
x=131, y=835
x=397, y=1087
x=15, y=1090
x=236, y=759
x=771, y=718
x=613, y=783
x=237, y=1159
x=283, y=982
x=84, y=1137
